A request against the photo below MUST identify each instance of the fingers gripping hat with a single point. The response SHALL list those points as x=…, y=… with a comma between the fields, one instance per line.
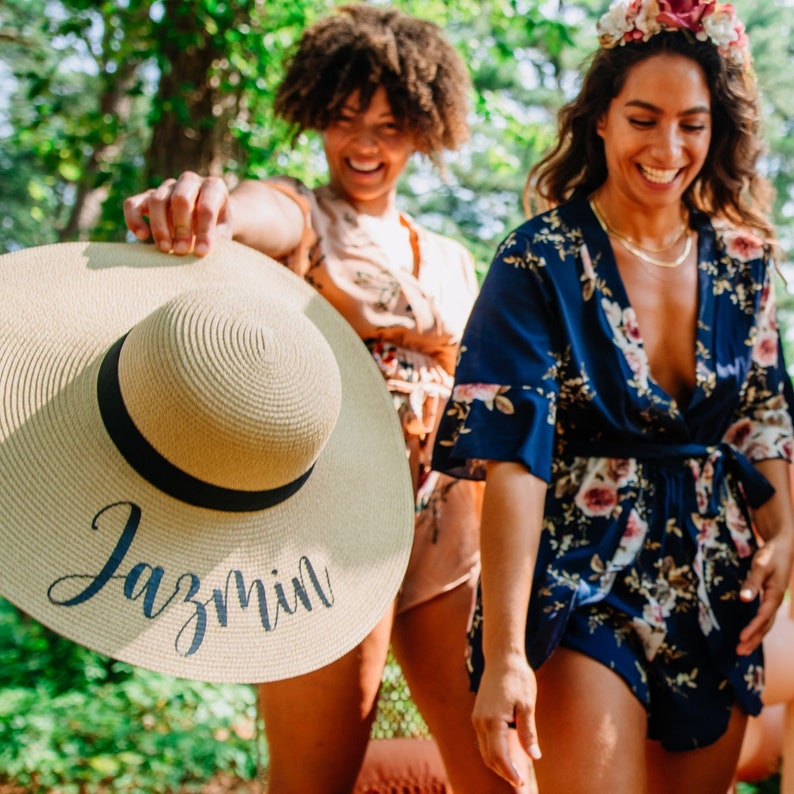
x=187, y=449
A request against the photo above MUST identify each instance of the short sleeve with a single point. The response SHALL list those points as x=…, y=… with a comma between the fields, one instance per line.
x=763, y=429
x=506, y=383
x=299, y=259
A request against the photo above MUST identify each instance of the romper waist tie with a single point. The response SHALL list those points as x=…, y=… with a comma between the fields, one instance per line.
x=757, y=489
x=718, y=618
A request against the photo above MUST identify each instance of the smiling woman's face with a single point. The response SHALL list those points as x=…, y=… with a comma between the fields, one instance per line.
x=367, y=151
x=657, y=130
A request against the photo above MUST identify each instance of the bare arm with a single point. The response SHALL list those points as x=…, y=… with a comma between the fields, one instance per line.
x=266, y=219
x=189, y=213
x=512, y=520
x=772, y=563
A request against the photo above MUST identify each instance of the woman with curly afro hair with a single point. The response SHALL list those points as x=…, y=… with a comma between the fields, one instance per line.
x=378, y=86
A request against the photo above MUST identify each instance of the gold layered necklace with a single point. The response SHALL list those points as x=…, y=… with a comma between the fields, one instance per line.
x=645, y=254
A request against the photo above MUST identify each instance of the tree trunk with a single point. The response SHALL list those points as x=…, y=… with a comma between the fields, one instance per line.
x=88, y=198
x=191, y=130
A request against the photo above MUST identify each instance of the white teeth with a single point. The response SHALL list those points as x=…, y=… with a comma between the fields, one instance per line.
x=661, y=176
x=366, y=167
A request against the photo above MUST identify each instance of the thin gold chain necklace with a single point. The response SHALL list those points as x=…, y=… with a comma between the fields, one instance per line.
x=638, y=252
x=611, y=230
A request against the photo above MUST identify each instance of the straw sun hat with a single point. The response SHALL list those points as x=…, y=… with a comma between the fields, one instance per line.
x=201, y=470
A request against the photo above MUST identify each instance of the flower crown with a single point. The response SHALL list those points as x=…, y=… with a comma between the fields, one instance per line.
x=708, y=20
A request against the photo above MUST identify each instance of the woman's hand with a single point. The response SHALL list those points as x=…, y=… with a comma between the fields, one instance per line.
x=771, y=567
x=185, y=215
x=506, y=700
x=769, y=576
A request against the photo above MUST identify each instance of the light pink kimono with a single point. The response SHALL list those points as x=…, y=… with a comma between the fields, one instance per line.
x=412, y=323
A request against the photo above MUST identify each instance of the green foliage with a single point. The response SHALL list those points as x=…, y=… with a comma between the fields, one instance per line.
x=93, y=117
x=76, y=721
x=397, y=715
x=769, y=786
x=512, y=49
x=77, y=70
x=102, y=96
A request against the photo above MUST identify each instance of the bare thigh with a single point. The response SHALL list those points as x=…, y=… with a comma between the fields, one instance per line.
x=707, y=770
x=584, y=705
x=429, y=642
x=778, y=647
x=317, y=725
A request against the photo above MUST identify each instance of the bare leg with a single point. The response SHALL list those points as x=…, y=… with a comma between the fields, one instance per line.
x=778, y=670
x=779, y=688
x=708, y=770
x=591, y=728
x=429, y=642
x=769, y=738
x=317, y=725
x=787, y=776
x=762, y=745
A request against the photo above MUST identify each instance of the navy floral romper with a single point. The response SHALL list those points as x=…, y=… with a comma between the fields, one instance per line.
x=646, y=536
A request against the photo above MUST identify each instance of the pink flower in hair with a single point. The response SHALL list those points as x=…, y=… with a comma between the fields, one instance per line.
x=686, y=14
x=726, y=31
x=708, y=20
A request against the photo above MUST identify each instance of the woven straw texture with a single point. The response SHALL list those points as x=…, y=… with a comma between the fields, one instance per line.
x=97, y=553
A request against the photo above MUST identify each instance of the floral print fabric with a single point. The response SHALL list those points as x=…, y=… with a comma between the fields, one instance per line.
x=646, y=512
x=411, y=321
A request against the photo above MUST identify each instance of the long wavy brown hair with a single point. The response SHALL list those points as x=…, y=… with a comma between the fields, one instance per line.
x=361, y=47
x=729, y=185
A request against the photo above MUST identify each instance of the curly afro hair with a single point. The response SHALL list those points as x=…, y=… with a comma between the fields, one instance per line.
x=362, y=47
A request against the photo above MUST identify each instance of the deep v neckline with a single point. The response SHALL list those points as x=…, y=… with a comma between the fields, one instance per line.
x=606, y=268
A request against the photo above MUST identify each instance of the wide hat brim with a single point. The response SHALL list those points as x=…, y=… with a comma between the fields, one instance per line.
x=98, y=554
